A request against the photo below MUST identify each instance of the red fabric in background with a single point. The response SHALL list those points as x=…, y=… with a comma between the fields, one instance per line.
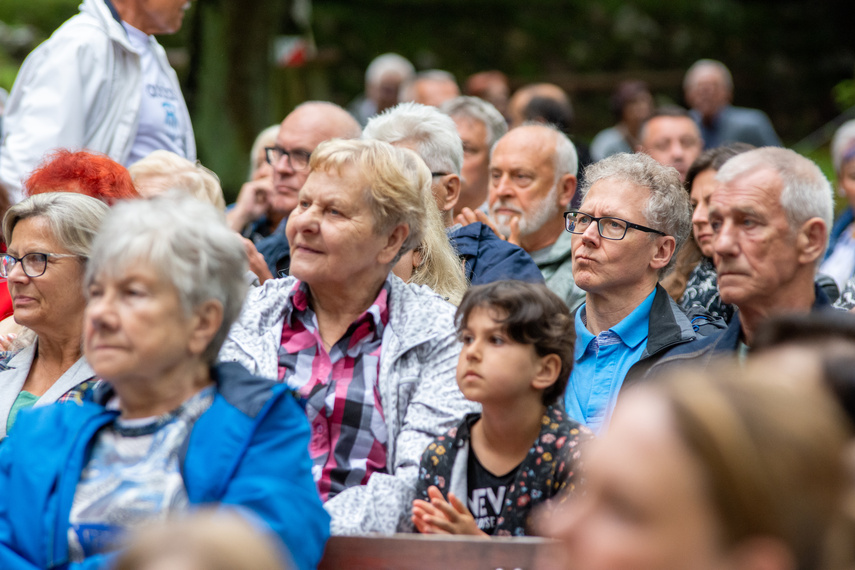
x=5, y=298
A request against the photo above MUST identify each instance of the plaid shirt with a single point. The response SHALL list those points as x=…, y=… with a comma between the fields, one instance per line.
x=339, y=391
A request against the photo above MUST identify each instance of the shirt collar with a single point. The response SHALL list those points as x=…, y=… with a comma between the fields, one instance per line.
x=632, y=330
x=377, y=314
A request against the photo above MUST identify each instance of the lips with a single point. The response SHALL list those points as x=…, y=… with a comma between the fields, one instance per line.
x=306, y=249
x=471, y=375
x=22, y=300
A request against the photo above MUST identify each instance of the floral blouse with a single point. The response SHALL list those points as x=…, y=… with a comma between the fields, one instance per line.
x=549, y=469
x=702, y=289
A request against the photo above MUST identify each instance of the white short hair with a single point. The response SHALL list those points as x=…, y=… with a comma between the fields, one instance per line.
x=385, y=63
x=478, y=110
x=702, y=64
x=842, y=143
x=806, y=192
x=265, y=138
x=432, y=133
x=189, y=245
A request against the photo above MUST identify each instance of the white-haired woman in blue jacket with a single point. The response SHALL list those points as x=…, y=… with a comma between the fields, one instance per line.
x=168, y=429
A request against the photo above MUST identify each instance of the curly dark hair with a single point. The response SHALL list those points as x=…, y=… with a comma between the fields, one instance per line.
x=530, y=314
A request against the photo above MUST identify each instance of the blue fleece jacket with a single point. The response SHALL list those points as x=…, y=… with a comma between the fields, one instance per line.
x=249, y=450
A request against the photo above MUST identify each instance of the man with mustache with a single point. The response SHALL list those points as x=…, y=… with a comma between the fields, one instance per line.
x=532, y=180
x=770, y=216
x=102, y=83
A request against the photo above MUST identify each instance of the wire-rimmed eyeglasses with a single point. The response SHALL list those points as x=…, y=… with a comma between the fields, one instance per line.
x=577, y=222
x=34, y=264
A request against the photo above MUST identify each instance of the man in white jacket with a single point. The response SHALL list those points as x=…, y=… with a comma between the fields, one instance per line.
x=101, y=82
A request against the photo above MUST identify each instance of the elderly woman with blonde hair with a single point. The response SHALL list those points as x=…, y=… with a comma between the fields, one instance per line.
x=163, y=170
x=371, y=358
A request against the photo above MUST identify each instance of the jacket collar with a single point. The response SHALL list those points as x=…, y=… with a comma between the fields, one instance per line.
x=108, y=17
x=669, y=325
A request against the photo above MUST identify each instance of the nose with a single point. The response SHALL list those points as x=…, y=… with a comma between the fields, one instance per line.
x=303, y=220
x=502, y=186
x=472, y=351
x=699, y=216
x=100, y=311
x=725, y=241
x=677, y=150
x=591, y=235
x=16, y=273
x=283, y=165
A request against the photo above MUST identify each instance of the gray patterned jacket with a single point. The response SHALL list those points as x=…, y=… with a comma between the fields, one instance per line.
x=417, y=388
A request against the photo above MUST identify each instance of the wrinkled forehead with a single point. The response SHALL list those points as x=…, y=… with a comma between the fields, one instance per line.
x=760, y=188
x=618, y=197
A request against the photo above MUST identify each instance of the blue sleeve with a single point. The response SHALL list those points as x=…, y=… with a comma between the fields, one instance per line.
x=499, y=260
x=274, y=481
x=12, y=555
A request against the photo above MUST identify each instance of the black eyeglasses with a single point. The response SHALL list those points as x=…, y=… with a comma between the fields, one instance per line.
x=33, y=264
x=298, y=159
x=577, y=222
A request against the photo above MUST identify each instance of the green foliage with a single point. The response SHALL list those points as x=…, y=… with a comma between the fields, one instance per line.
x=844, y=94
x=43, y=15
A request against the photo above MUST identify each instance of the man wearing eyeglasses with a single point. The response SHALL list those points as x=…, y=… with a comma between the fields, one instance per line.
x=633, y=218
x=307, y=126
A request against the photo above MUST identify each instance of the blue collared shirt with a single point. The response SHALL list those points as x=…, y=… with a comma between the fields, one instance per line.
x=600, y=364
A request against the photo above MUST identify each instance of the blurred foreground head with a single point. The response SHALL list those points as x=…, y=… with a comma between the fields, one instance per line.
x=204, y=541
x=727, y=469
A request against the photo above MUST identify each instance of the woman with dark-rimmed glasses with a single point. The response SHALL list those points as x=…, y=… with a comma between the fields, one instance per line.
x=48, y=237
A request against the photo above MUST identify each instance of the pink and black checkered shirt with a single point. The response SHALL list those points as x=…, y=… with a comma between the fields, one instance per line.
x=338, y=390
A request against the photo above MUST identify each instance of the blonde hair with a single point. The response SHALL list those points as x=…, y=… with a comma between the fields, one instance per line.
x=166, y=170
x=265, y=138
x=397, y=183
x=441, y=269
x=772, y=452
x=213, y=540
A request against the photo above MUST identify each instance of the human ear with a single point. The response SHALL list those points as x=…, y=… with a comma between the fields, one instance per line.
x=567, y=189
x=393, y=244
x=811, y=240
x=451, y=186
x=206, y=321
x=549, y=367
x=666, y=245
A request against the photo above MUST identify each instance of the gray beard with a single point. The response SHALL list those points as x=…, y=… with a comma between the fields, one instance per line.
x=533, y=220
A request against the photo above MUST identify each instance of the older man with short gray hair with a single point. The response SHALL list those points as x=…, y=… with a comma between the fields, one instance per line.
x=480, y=126
x=433, y=136
x=770, y=216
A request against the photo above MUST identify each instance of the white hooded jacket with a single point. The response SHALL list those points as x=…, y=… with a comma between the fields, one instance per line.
x=81, y=90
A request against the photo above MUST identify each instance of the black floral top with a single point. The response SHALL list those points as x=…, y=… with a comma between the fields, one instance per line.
x=702, y=289
x=549, y=469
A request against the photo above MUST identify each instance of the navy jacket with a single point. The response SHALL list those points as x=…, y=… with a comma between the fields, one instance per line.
x=248, y=450
x=489, y=258
x=704, y=351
